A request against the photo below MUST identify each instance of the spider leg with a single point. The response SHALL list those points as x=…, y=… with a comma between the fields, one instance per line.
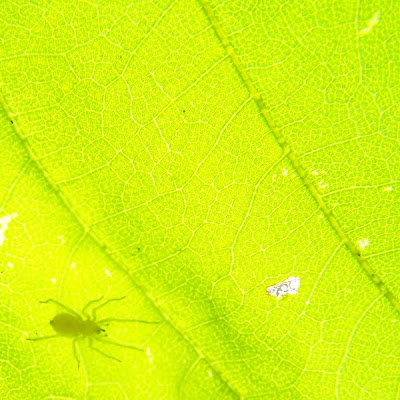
x=107, y=320
x=70, y=310
x=101, y=352
x=75, y=350
x=43, y=337
x=95, y=309
x=84, y=310
x=127, y=346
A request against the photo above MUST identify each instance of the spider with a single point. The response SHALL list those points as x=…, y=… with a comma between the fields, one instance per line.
x=72, y=324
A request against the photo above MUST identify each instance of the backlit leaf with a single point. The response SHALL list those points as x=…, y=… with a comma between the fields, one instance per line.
x=188, y=155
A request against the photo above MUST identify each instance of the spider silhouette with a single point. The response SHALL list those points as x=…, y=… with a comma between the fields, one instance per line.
x=86, y=326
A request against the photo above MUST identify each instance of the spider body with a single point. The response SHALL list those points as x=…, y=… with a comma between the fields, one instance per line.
x=72, y=325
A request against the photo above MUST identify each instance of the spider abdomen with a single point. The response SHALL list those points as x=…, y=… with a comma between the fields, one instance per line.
x=70, y=325
x=67, y=324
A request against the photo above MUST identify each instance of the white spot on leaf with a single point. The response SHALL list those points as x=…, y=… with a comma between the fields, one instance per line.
x=363, y=243
x=323, y=185
x=371, y=23
x=288, y=286
x=61, y=239
x=54, y=280
x=285, y=172
x=149, y=355
x=4, y=225
x=108, y=273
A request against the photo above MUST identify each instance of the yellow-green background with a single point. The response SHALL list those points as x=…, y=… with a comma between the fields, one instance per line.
x=186, y=155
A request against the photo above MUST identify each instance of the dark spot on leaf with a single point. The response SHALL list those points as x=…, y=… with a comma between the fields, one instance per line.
x=11, y=121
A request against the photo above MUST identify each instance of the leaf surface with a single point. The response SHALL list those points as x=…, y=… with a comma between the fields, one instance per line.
x=188, y=155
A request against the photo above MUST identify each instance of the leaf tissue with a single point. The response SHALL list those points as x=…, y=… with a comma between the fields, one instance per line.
x=184, y=156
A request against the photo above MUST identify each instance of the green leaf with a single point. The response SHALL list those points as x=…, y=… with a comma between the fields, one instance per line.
x=187, y=155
